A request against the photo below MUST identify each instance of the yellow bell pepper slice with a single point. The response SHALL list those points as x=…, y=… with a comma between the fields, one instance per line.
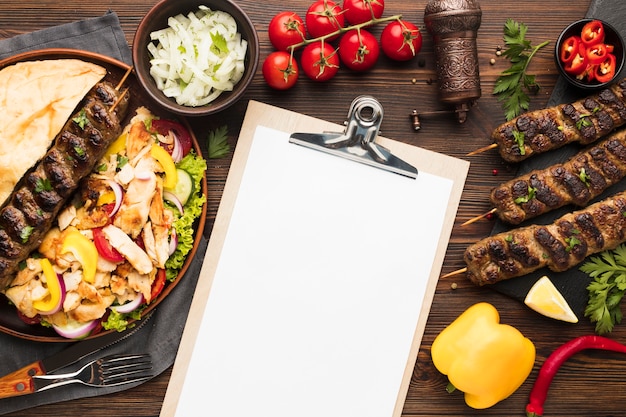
x=83, y=250
x=486, y=360
x=167, y=163
x=50, y=301
x=117, y=146
x=106, y=197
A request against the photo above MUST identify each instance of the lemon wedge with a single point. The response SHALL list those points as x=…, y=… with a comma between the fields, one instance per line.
x=546, y=299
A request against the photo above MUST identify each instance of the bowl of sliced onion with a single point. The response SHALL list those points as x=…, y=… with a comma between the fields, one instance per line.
x=195, y=57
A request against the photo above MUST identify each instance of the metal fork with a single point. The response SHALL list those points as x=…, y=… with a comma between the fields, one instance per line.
x=104, y=372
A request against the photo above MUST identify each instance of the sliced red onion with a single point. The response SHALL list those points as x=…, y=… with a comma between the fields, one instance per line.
x=58, y=306
x=173, y=242
x=143, y=175
x=76, y=331
x=171, y=197
x=177, y=152
x=119, y=195
x=129, y=306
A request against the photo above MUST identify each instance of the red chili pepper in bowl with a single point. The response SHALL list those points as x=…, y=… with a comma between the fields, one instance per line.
x=550, y=367
x=578, y=64
x=569, y=49
x=605, y=70
x=592, y=33
x=597, y=53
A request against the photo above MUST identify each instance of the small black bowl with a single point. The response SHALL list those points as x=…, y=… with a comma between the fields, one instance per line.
x=612, y=37
x=157, y=18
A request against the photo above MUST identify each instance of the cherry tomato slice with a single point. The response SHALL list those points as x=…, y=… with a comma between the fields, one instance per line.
x=592, y=33
x=569, y=49
x=104, y=248
x=158, y=284
x=163, y=127
x=605, y=70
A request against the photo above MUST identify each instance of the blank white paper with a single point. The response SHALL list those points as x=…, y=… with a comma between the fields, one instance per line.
x=319, y=287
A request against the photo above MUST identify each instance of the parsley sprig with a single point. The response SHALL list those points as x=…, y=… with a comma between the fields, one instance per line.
x=218, y=142
x=607, y=288
x=512, y=85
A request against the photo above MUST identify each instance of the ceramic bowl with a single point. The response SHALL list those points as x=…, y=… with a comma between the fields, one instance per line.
x=157, y=19
x=612, y=38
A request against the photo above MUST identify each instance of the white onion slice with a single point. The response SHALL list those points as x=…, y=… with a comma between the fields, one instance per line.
x=75, y=331
x=119, y=195
x=171, y=197
x=173, y=242
x=129, y=306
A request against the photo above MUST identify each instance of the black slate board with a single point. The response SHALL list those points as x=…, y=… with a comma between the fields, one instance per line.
x=573, y=283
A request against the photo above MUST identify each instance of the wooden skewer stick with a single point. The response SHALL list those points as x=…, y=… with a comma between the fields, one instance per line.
x=119, y=98
x=483, y=149
x=453, y=273
x=123, y=80
x=482, y=216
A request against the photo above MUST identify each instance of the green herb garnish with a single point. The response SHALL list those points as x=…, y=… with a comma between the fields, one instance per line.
x=81, y=120
x=525, y=199
x=519, y=139
x=606, y=291
x=512, y=85
x=43, y=184
x=584, y=177
x=583, y=121
x=25, y=233
x=218, y=142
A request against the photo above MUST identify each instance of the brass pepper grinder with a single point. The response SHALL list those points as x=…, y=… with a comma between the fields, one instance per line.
x=454, y=24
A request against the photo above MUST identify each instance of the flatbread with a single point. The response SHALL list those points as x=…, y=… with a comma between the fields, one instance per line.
x=36, y=100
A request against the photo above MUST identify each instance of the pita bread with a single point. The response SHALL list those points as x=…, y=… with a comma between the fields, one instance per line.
x=36, y=100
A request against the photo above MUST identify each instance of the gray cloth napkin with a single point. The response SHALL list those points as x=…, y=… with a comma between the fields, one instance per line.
x=161, y=334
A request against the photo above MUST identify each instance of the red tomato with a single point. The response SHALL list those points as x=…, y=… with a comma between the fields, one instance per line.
x=358, y=50
x=319, y=61
x=280, y=70
x=324, y=17
x=360, y=11
x=104, y=248
x=401, y=40
x=158, y=284
x=163, y=127
x=286, y=29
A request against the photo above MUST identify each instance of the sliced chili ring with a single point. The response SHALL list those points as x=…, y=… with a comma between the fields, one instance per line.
x=596, y=53
x=578, y=64
x=605, y=70
x=592, y=33
x=569, y=49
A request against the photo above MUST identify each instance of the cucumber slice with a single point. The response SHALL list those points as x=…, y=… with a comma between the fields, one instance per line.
x=184, y=187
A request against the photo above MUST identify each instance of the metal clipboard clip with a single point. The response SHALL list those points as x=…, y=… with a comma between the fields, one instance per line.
x=357, y=142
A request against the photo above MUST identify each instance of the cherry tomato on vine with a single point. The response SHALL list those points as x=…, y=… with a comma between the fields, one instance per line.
x=324, y=17
x=319, y=61
x=360, y=11
x=286, y=29
x=401, y=40
x=280, y=70
x=358, y=49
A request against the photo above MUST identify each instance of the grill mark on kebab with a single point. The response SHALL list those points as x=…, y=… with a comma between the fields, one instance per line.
x=558, y=246
x=577, y=181
x=584, y=121
x=37, y=199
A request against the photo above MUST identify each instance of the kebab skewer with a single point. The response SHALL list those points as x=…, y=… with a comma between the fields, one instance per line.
x=583, y=121
x=558, y=246
x=37, y=199
x=577, y=181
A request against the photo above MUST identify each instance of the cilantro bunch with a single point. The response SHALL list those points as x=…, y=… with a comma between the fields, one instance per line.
x=513, y=84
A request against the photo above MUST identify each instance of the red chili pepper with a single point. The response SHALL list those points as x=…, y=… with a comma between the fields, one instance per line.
x=596, y=53
x=592, y=33
x=548, y=370
x=569, y=49
x=605, y=70
x=579, y=63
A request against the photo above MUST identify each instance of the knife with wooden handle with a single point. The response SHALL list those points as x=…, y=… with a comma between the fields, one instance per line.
x=20, y=382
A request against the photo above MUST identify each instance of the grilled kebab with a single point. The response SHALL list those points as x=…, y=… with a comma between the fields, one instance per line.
x=559, y=246
x=577, y=181
x=38, y=197
x=584, y=121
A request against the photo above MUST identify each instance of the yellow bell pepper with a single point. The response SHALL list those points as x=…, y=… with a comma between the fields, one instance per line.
x=83, y=250
x=167, y=163
x=486, y=360
x=117, y=146
x=49, y=302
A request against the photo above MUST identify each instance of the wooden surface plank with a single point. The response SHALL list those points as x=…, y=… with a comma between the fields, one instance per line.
x=587, y=385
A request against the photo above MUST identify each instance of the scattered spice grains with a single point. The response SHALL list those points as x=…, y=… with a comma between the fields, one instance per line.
x=454, y=286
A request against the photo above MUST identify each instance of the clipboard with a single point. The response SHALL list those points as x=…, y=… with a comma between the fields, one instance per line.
x=317, y=281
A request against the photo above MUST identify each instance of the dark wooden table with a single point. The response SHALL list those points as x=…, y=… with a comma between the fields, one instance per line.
x=589, y=384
